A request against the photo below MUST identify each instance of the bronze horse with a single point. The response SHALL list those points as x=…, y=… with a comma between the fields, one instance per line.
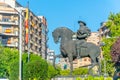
x=68, y=47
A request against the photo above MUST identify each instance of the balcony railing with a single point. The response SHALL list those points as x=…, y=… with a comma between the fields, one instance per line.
x=9, y=43
x=9, y=32
x=8, y=22
x=7, y=11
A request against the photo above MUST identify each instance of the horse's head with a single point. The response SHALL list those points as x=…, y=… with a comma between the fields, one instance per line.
x=62, y=33
x=56, y=36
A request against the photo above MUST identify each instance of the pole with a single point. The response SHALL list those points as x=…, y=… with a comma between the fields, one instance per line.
x=28, y=33
x=20, y=46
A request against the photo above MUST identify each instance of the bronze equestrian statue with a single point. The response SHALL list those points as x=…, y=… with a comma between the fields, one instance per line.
x=77, y=48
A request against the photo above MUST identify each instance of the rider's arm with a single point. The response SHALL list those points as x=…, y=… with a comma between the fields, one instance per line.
x=81, y=36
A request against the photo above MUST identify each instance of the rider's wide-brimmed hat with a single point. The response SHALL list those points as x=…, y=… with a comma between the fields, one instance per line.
x=82, y=22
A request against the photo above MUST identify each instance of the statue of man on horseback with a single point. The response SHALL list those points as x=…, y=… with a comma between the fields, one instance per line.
x=72, y=48
x=81, y=36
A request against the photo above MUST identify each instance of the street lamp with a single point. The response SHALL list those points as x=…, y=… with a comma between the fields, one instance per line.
x=19, y=10
x=20, y=46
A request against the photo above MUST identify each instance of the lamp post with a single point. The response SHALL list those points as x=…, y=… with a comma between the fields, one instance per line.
x=19, y=10
x=20, y=46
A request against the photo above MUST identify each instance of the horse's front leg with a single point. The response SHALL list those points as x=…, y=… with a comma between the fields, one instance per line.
x=71, y=67
x=71, y=64
x=56, y=56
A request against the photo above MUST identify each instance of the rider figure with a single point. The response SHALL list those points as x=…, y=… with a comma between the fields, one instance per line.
x=83, y=31
x=82, y=34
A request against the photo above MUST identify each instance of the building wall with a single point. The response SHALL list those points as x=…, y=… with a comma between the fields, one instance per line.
x=50, y=55
x=44, y=36
x=104, y=31
x=94, y=38
x=9, y=28
x=76, y=63
x=34, y=35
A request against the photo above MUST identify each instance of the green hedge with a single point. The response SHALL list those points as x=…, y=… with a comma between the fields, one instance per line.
x=36, y=69
x=77, y=71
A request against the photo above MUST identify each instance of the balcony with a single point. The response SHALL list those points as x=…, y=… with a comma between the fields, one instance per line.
x=9, y=43
x=7, y=10
x=9, y=32
x=9, y=23
x=9, y=19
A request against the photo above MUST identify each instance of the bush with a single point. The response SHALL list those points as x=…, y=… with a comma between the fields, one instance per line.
x=37, y=68
x=52, y=72
x=14, y=71
x=64, y=72
x=77, y=71
x=80, y=71
x=7, y=57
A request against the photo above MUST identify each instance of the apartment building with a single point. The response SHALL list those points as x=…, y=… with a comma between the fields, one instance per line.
x=94, y=38
x=44, y=38
x=9, y=28
x=50, y=55
x=9, y=25
x=82, y=62
x=34, y=34
x=104, y=31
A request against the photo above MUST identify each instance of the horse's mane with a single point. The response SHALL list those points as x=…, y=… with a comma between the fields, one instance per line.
x=63, y=29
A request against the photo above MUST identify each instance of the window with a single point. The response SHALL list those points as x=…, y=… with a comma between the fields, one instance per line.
x=31, y=17
x=36, y=48
x=40, y=24
x=31, y=35
x=35, y=39
x=6, y=28
x=65, y=66
x=35, y=30
x=6, y=18
x=85, y=59
x=40, y=41
x=39, y=49
x=89, y=59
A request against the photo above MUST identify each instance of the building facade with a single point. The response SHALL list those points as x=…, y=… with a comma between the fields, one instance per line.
x=50, y=55
x=104, y=31
x=34, y=34
x=94, y=38
x=9, y=28
x=44, y=36
x=9, y=25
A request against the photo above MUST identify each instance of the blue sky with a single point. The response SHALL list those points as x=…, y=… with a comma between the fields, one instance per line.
x=68, y=12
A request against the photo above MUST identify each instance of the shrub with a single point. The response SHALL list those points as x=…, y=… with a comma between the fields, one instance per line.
x=64, y=72
x=80, y=71
x=37, y=68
